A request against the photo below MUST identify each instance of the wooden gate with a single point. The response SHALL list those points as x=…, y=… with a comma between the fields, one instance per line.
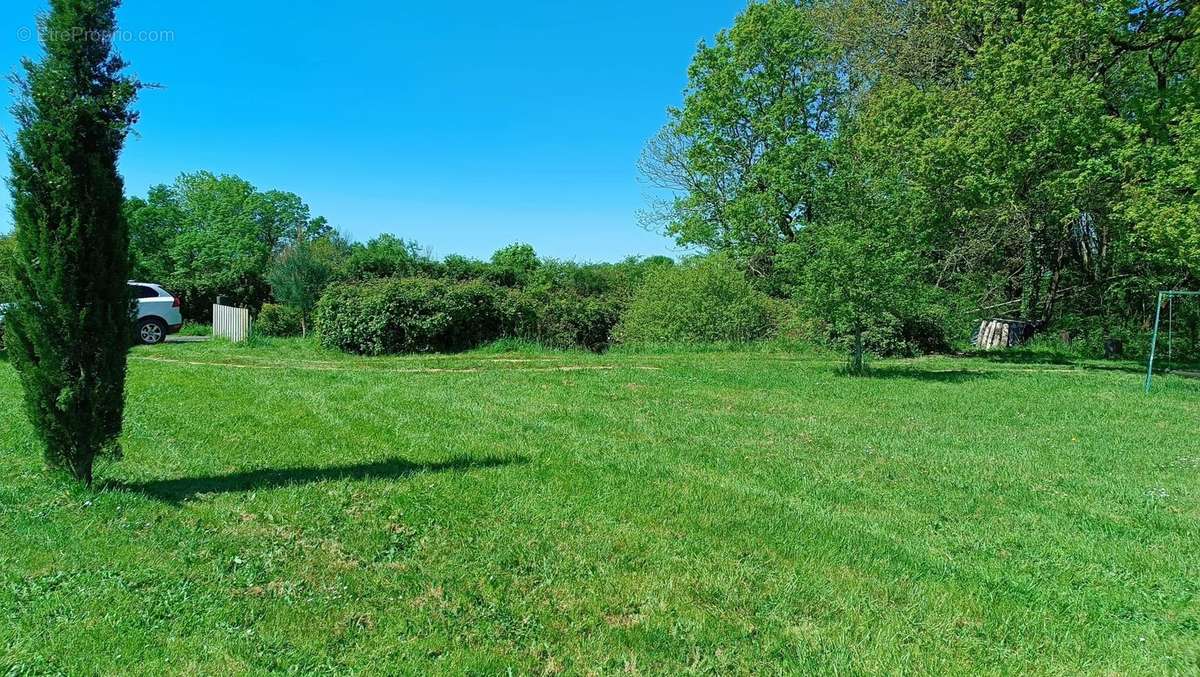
x=231, y=323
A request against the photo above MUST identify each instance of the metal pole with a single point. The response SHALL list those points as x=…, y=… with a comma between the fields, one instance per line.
x=1170, y=331
x=1154, y=343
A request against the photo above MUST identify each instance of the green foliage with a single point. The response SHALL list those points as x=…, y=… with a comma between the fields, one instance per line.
x=561, y=303
x=617, y=281
x=386, y=256
x=208, y=235
x=514, y=265
x=297, y=278
x=279, y=321
x=195, y=329
x=559, y=317
x=746, y=156
x=707, y=299
x=410, y=315
x=1165, y=210
x=1045, y=152
x=564, y=305
x=154, y=222
x=583, y=322
x=69, y=332
x=557, y=304
x=1029, y=159
x=456, y=267
x=859, y=275
x=8, y=269
x=333, y=250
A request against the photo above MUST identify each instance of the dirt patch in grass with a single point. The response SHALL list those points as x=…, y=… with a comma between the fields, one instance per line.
x=333, y=366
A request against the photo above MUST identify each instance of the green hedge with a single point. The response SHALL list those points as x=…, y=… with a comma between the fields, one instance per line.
x=278, y=320
x=408, y=316
x=709, y=300
x=561, y=318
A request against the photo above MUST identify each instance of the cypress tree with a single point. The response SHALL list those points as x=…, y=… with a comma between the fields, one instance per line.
x=70, y=332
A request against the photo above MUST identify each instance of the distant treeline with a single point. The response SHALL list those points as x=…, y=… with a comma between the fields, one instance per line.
x=206, y=236
x=882, y=173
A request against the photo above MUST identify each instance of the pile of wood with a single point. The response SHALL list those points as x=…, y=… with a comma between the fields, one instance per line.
x=997, y=334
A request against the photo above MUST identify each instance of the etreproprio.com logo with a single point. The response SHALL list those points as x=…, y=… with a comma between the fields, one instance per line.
x=25, y=34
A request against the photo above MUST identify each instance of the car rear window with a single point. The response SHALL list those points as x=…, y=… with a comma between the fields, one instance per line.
x=144, y=292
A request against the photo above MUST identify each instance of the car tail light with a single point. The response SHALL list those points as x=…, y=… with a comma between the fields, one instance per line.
x=175, y=302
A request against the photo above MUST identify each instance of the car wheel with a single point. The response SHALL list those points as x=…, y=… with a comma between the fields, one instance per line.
x=151, y=332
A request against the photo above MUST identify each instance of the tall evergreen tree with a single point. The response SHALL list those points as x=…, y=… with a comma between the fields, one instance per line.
x=70, y=331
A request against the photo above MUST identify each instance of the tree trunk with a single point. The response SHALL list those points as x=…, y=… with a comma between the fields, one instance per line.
x=1030, y=280
x=856, y=361
x=81, y=468
x=303, y=327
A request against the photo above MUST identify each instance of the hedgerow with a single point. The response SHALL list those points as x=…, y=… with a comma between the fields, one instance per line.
x=278, y=320
x=709, y=300
x=410, y=315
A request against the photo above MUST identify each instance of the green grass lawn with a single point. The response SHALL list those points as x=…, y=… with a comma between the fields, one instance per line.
x=284, y=509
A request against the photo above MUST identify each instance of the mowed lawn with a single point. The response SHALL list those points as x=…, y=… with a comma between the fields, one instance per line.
x=281, y=509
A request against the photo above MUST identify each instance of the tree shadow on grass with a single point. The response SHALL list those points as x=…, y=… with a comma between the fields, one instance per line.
x=1019, y=356
x=929, y=375
x=1054, y=359
x=181, y=490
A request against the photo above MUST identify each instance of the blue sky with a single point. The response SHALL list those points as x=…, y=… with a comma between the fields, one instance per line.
x=465, y=126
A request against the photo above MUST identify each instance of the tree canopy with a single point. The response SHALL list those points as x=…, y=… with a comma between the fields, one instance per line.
x=1033, y=159
x=207, y=235
x=298, y=277
x=747, y=154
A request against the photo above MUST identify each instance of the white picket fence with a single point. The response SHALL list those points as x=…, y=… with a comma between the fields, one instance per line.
x=231, y=323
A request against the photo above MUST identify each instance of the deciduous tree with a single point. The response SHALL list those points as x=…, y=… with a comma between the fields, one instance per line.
x=207, y=235
x=745, y=158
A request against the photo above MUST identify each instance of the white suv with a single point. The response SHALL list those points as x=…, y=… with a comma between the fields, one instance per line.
x=158, y=313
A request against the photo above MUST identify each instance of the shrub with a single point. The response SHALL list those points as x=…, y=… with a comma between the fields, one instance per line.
x=513, y=265
x=845, y=287
x=474, y=315
x=386, y=256
x=706, y=300
x=614, y=280
x=887, y=334
x=408, y=315
x=456, y=267
x=519, y=314
x=278, y=320
x=585, y=322
x=562, y=319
